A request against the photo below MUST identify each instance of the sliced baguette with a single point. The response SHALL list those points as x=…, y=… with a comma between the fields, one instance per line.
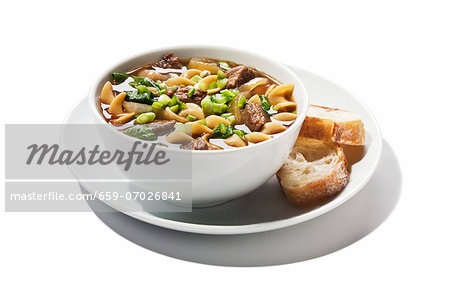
x=314, y=172
x=343, y=127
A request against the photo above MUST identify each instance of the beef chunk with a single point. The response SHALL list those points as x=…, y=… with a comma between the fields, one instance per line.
x=169, y=92
x=162, y=127
x=239, y=75
x=197, y=144
x=197, y=97
x=169, y=61
x=253, y=116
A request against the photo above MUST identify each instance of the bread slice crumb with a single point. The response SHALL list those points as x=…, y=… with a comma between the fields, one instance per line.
x=315, y=171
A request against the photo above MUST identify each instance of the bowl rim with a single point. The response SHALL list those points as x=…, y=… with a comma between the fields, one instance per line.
x=295, y=125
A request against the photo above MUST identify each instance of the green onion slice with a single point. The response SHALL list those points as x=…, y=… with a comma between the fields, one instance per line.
x=220, y=75
x=224, y=65
x=242, y=102
x=207, y=105
x=191, y=92
x=191, y=117
x=196, y=78
x=221, y=83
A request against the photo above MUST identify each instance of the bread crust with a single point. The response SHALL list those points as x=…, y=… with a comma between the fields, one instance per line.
x=349, y=132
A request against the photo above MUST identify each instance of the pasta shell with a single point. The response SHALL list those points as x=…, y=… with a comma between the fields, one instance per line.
x=178, y=137
x=255, y=99
x=152, y=89
x=256, y=137
x=286, y=107
x=272, y=128
x=285, y=116
x=151, y=74
x=213, y=121
x=136, y=107
x=124, y=118
x=208, y=80
x=204, y=64
x=269, y=90
x=168, y=114
x=250, y=85
x=197, y=129
x=204, y=74
x=281, y=94
x=179, y=81
x=107, y=95
x=116, y=105
x=190, y=73
x=235, y=140
x=192, y=109
x=211, y=146
x=215, y=90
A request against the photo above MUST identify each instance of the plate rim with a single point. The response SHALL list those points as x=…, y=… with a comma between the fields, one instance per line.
x=263, y=226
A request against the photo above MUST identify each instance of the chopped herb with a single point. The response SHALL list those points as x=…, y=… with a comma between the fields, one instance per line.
x=222, y=131
x=119, y=77
x=144, y=81
x=240, y=133
x=162, y=86
x=140, y=97
x=265, y=103
x=142, y=89
x=142, y=132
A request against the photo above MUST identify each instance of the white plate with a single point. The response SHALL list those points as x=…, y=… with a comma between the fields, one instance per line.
x=266, y=208
x=322, y=235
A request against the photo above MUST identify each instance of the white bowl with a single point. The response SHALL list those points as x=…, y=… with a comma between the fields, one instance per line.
x=238, y=171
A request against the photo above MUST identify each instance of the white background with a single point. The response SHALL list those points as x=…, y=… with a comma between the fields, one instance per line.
x=395, y=55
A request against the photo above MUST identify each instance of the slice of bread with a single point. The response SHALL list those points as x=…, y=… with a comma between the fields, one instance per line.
x=315, y=171
x=343, y=127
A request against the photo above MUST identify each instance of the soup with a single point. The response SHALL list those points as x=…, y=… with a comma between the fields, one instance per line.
x=198, y=103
